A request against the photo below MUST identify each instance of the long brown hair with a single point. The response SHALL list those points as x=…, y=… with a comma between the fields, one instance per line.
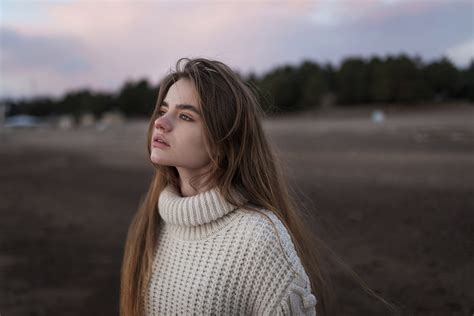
x=241, y=158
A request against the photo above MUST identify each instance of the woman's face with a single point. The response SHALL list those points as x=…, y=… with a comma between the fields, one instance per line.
x=181, y=128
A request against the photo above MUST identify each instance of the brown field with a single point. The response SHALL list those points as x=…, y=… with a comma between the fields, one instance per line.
x=394, y=200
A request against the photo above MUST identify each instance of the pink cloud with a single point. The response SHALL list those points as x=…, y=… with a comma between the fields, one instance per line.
x=330, y=13
x=130, y=40
x=125, y=39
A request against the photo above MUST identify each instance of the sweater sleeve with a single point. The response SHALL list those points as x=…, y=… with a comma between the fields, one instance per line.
x=294, y=296
x=298, y=300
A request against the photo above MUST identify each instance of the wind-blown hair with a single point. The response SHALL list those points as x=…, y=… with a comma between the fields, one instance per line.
x=241, y=158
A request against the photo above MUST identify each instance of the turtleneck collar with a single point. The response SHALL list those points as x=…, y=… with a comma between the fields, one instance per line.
x=197, y=216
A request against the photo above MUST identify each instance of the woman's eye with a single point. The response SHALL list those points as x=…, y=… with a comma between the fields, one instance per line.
x=187, y=117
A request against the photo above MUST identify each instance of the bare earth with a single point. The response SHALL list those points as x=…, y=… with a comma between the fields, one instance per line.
x=394, y=200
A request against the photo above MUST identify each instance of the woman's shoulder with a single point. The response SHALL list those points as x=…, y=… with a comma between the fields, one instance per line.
x=277, y=256
x=267, y=231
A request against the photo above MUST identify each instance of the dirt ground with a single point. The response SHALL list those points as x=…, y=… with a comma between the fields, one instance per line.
x=394, y=200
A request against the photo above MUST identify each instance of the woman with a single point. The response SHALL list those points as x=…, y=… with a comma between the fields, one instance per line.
x=217, y=232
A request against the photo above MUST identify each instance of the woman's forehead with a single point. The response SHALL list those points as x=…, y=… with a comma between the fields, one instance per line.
x=182, y=91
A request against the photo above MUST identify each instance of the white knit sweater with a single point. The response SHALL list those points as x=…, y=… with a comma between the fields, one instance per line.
x=212, y=258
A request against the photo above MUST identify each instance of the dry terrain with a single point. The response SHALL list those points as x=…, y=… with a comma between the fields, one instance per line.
x=394, y=200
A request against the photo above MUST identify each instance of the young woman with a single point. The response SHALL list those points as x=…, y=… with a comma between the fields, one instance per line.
x=218, y=231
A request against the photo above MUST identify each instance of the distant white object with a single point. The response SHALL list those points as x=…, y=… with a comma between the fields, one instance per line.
x=111, y=118
x=378, y=116
x=22, y=121
x=66, y=122
x=99, y=126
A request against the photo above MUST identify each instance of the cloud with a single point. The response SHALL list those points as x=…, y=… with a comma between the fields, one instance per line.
x=101, y=44
x=349, y=12
x=38, y=63
x=129, y=40
x=27, y=53
x=463, y=53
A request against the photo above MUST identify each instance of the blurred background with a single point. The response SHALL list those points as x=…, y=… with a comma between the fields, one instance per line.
x=368, y=102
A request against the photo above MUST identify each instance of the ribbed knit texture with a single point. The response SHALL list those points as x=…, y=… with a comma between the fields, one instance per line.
x=213, y=258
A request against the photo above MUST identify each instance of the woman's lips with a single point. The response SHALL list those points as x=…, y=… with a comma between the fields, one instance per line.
x=159, y=144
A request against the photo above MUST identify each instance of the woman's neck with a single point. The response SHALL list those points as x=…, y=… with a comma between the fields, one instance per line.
x=185, y=188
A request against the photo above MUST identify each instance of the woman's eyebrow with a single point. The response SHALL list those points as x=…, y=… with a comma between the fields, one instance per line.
x=183, y=106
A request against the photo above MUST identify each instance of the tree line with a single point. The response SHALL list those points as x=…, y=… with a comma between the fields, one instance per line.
x=289, y=88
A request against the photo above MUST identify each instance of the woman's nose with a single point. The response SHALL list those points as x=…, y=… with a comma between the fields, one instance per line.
x=160, y=123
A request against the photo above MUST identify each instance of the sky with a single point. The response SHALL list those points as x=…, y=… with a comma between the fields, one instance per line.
x=50, y=47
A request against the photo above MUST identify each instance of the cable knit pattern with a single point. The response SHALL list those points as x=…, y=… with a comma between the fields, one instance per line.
x=215, y=259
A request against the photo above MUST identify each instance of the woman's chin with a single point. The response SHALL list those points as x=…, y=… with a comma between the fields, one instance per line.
x=157, y=160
